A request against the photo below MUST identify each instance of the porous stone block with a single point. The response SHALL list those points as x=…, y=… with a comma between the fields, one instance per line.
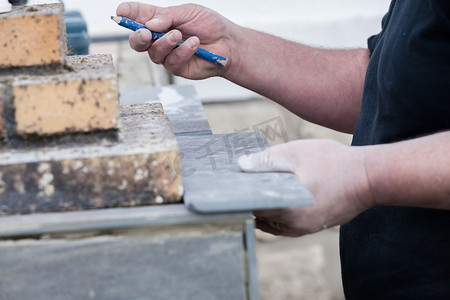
x=33, y=35
x=142, y=168
x=81, y=97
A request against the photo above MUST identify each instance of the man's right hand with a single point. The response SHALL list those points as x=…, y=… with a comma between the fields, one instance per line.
x=323, y=86
x=197, y=25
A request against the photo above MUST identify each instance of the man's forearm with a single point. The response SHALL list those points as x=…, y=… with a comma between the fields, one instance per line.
x=411, y=173
x=320, y=85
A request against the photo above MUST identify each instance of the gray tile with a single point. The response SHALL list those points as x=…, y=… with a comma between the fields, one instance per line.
x=214, y=183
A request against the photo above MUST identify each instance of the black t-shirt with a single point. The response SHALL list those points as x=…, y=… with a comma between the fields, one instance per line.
x=401, y=252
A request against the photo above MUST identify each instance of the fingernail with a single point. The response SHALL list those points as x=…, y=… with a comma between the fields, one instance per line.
x=245, y=162
x=191, y=43
x=171, y=37
x=138, y=37
x=153, y=21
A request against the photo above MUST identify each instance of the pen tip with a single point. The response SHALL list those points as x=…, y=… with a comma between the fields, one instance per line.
x=116, y=19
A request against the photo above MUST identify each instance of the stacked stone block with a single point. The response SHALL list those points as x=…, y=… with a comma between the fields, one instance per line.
x=81, y=97
x=32, y=36
x=65, y=142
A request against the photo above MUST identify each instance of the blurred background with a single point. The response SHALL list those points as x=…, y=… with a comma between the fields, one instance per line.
x=327, y=23
x=302, y=268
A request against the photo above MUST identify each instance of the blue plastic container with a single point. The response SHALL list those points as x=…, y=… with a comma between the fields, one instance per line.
x=78, y=39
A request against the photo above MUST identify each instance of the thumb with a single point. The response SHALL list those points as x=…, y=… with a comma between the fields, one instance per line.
x=273, y=159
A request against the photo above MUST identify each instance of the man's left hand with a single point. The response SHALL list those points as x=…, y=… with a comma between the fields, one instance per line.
x=334, y=173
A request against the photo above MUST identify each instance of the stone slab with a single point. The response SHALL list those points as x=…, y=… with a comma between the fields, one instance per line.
x=153, y=266
x=82, y=97
x=250, y=247
x=214, y=183
x=100, y=220
x=180, y=102
x=141, y=169
x=33, y=36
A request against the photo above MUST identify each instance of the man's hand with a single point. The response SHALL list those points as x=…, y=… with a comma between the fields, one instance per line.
x=322, y=86
x=335, y=174
x=193, y=23
x=345, y=181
